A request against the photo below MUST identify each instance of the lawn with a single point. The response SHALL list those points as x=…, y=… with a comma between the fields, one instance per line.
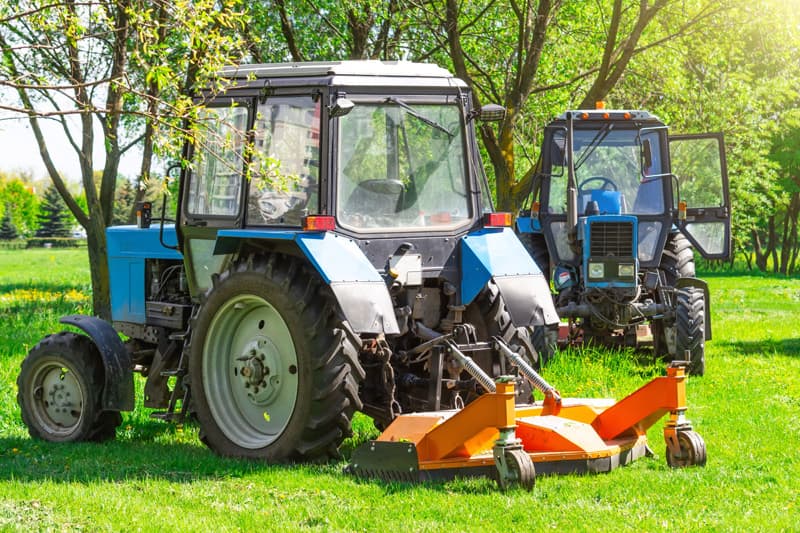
x=157, y=476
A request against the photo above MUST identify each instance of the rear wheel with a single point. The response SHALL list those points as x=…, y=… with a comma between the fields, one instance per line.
x=59, y=390
x=273, y=367
x=545, y=342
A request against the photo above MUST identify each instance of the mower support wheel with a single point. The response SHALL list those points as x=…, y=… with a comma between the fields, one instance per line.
x=514, y=468
x=691, y=450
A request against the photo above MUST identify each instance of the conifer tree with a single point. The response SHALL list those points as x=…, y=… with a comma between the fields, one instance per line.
x=53, y=218
x=8, y=231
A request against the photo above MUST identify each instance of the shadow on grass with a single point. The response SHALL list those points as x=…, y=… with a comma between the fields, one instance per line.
x=790, y=347
x=29, y=460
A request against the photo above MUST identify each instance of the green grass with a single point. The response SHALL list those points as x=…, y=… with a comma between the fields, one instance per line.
x=157, y=476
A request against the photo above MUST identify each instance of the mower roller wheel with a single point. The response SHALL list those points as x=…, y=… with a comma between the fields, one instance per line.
x=274, y=369
x=59, y=390
x=519, y=471
x=692, y=451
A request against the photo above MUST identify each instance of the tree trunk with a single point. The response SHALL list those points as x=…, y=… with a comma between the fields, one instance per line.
x=789, y=228
x=98, y=266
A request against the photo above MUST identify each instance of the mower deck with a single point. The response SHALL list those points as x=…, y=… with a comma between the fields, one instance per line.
x=493, y=437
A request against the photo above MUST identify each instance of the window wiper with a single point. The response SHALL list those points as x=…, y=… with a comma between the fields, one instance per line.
x=590, y=148
x=411, y=111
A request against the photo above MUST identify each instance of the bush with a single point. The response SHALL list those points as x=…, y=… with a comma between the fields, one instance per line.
x=16, y=244
x=55, y=242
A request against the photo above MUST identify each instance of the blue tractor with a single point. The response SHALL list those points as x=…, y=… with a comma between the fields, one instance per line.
x=335, y=251
x=616, y=214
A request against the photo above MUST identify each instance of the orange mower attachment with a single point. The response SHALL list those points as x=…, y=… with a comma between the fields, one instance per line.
x=493, y=437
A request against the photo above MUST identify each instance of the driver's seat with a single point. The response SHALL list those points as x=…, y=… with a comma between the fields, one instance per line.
x=608, y=202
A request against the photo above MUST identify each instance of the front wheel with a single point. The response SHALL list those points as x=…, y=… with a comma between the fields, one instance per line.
x=690, y=328
x=274, y=371
x=59, y=390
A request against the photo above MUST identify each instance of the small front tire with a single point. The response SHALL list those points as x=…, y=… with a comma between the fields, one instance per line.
x=59, y=391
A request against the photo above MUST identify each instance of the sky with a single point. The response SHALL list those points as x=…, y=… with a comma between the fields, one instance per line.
x=19, y=152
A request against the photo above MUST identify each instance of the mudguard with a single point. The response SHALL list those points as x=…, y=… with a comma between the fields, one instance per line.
x=118, y=384
x=497, y=254
x=359, y=289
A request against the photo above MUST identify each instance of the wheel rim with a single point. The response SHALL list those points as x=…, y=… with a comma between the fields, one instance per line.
x=250, y=372
x=57, y=398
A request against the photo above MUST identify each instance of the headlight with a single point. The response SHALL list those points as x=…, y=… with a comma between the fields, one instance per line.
x=596, y=270
x=625, y=271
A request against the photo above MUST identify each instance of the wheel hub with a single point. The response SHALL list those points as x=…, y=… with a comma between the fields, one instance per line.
x=60, y=396
x=259, y=371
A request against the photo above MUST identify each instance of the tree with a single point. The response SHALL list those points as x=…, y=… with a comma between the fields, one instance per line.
x=20, y=201
x=8, y=232
x=54, y=219
x=124, y=203
x=118, y=66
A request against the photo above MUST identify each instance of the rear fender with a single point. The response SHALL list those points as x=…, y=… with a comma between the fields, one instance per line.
x=118, y=383
x=497, y=254
x=359, y=289
x=703, y=286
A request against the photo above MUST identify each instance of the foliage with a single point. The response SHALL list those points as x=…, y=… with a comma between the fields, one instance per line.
x=18, y=200
x=123, y=203
x=54, y=242
x=8, y=231
x=53, y=217
x=126, y=67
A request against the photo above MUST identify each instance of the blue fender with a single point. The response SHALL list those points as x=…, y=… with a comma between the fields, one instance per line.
x=497, y=254
x=118, y=384
x=359, y=289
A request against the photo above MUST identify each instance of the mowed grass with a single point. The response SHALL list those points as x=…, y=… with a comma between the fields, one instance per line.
x=159, y=477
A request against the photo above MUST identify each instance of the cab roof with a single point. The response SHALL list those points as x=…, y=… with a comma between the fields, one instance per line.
x=356, y=76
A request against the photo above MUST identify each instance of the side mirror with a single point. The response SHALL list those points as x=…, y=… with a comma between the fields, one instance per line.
x=491, y=113
x=341, y=107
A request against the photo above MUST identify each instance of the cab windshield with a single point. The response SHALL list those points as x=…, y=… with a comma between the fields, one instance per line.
x=608, y=172
x=401, y=166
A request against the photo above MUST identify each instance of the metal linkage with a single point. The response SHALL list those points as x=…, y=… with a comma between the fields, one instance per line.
x=472, y=367
x=552, y=397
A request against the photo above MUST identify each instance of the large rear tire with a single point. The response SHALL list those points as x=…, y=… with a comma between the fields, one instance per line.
x=59, y=388
x=273, y=367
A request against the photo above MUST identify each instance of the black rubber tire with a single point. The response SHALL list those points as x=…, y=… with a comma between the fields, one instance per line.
x=521, y=469
x=497, y=322
x=545, y=342
x=327, y=372
x=62, y=360
x=677, y=261
x=690, y=321
x=536, y=245
x=692, y=451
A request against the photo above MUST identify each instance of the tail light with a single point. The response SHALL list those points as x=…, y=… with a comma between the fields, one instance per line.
x=319, y=223
x=497, y=220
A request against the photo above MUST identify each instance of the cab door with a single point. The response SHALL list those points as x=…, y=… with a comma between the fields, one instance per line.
x=701, y=181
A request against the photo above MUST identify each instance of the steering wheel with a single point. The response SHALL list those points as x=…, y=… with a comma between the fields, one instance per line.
x=383, y=186
x=605, y=184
